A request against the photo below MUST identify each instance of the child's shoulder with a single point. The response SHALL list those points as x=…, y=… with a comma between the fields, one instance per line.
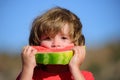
x=88, y=75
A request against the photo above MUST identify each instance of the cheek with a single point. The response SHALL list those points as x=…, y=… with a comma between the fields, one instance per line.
x=70, y=44
x=45, y=44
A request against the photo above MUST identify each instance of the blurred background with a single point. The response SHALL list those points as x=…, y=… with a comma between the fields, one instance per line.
x=101, y=25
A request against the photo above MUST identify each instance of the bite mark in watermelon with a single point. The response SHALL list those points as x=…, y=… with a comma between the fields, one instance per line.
x=53, y=56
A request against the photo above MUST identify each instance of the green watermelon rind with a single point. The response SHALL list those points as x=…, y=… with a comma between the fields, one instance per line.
x=61, y=58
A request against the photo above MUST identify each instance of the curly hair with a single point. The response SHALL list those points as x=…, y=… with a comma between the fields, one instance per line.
x=51, y=22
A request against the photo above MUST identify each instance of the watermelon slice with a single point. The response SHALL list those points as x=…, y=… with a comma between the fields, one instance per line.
x=53, y=56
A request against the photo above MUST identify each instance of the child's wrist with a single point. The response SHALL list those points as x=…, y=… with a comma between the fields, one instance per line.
x=28, y=67
x=74, y=68
x=27, y=73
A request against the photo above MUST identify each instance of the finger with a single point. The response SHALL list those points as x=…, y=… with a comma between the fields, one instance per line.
x=32, y=51
x=26, y=48
x=79, y=52
x=82, y=53
x=23, y=49
x=83, y=50
x=29, y=50
x=75, y=50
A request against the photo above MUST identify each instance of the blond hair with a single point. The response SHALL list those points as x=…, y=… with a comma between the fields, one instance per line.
x=51, y=22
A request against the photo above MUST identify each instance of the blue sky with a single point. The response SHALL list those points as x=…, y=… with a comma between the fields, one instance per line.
x=100, y=19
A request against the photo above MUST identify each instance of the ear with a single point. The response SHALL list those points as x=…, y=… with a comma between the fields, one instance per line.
x=82, y=40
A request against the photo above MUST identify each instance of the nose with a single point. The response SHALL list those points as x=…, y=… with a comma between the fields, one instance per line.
x=56, y=43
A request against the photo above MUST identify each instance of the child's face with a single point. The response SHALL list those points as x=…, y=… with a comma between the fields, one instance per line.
x=61, y=40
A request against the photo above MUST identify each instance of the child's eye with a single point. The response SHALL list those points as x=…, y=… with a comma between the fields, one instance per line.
x=47, y=38
x=64, y=37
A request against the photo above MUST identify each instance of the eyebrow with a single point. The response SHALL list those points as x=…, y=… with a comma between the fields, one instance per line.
x=65, y=34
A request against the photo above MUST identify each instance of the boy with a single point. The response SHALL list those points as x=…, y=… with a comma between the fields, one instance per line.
x=55, y=29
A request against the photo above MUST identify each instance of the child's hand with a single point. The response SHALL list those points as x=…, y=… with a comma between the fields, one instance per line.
x=28, y=57
x=78, y=57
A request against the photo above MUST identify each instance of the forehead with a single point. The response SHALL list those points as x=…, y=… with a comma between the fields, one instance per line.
x=63, y=30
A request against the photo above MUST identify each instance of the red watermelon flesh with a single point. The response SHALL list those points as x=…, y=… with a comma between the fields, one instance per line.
x=44, y=49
